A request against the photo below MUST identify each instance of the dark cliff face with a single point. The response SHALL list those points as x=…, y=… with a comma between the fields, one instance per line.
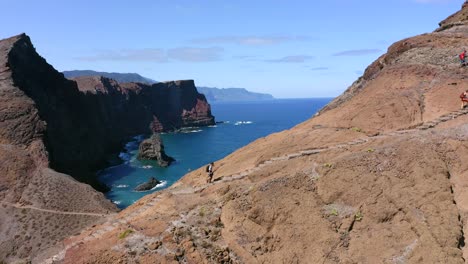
x=82, y=123
x=41, y=124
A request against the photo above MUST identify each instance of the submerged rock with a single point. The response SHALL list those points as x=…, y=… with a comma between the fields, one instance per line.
x=147, y=185
x=153, y=149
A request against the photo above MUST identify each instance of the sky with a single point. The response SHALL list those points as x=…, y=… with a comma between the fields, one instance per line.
x=290, y=49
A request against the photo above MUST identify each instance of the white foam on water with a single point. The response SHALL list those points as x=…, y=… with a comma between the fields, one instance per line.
x=243, y=123
x=147, y=167
x=125, y=156
x=121, y=186
x=193, y=131
x=213, y=126
x=117, y=202
x=162, y=184
x=139, y=137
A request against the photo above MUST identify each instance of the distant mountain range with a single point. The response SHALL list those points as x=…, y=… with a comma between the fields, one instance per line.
x=232, y=94
x=212, y=94
x=119, y=77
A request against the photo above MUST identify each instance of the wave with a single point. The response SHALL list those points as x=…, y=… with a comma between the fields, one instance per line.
x=162, y=184
x=125, y=156
x=139, y=137
x=243, y=123
x=117, y=202
x=213, y=126
x=189, y=130
x=147, y=167
x=121, y=186
x=192, y=131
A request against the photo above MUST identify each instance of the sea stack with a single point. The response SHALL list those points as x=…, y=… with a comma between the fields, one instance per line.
x=153, y=149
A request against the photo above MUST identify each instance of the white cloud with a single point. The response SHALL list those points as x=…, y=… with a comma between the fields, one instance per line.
x=358, y=52
x=251, y=40
x=187, y=54
x=292, y=59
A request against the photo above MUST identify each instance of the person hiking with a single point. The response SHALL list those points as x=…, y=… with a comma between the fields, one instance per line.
x=464, y=99
x=462, y=58
x=209, y=169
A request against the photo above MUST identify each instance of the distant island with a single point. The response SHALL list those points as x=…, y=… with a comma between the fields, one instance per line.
x=119, y=77
x=232, y=94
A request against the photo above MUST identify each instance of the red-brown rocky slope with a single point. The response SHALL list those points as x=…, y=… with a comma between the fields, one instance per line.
x=38, y=206
x=380, y=175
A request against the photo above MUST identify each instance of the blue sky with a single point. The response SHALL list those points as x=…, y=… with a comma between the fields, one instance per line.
x=290, y=49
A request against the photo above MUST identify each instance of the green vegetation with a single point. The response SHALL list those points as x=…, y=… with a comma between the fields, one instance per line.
x=253, y=188
x=356, y=129
x=370, y=150
x=328, y=165
x=202, y=211
x=334, y=212
x=358, y=216
x=125, y=233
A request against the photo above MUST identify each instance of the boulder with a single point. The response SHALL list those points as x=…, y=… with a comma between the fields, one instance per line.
x=150, y=184
x=153, y=149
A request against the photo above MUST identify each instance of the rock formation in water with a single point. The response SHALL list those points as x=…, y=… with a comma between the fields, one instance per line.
x=50, y=125
x=150, y=184
x=153, y=149
x=379, y=176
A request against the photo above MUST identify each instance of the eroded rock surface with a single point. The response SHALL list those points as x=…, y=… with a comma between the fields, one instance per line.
x=153, y=149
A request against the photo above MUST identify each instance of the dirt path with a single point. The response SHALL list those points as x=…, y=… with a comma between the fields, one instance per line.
x=307, y=152
x=19, y=206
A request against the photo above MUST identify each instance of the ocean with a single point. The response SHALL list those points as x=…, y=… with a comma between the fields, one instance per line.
x=241, y=123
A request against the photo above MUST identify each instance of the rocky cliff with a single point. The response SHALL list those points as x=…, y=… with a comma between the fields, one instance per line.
x=379, y=176
x=39, y=206
x=90, y=118
x=50, y=125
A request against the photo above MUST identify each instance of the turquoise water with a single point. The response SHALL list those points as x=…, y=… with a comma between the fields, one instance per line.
x=195, y=147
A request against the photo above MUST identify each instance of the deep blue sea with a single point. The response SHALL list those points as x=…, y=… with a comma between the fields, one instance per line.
x=195, y=147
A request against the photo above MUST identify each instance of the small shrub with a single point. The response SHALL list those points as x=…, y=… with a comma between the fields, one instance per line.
x=125, y=233
x=370, y=150
x=202, y=211
x=356, y=129
x=358, y=216
x=334, y=212
x=328, y=165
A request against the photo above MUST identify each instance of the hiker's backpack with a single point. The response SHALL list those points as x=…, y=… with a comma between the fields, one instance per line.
x=208, y=168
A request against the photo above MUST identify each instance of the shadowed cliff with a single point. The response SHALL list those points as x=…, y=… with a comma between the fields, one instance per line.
x=88, y=121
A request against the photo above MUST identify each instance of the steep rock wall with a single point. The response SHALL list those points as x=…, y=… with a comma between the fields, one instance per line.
x=83, y=123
